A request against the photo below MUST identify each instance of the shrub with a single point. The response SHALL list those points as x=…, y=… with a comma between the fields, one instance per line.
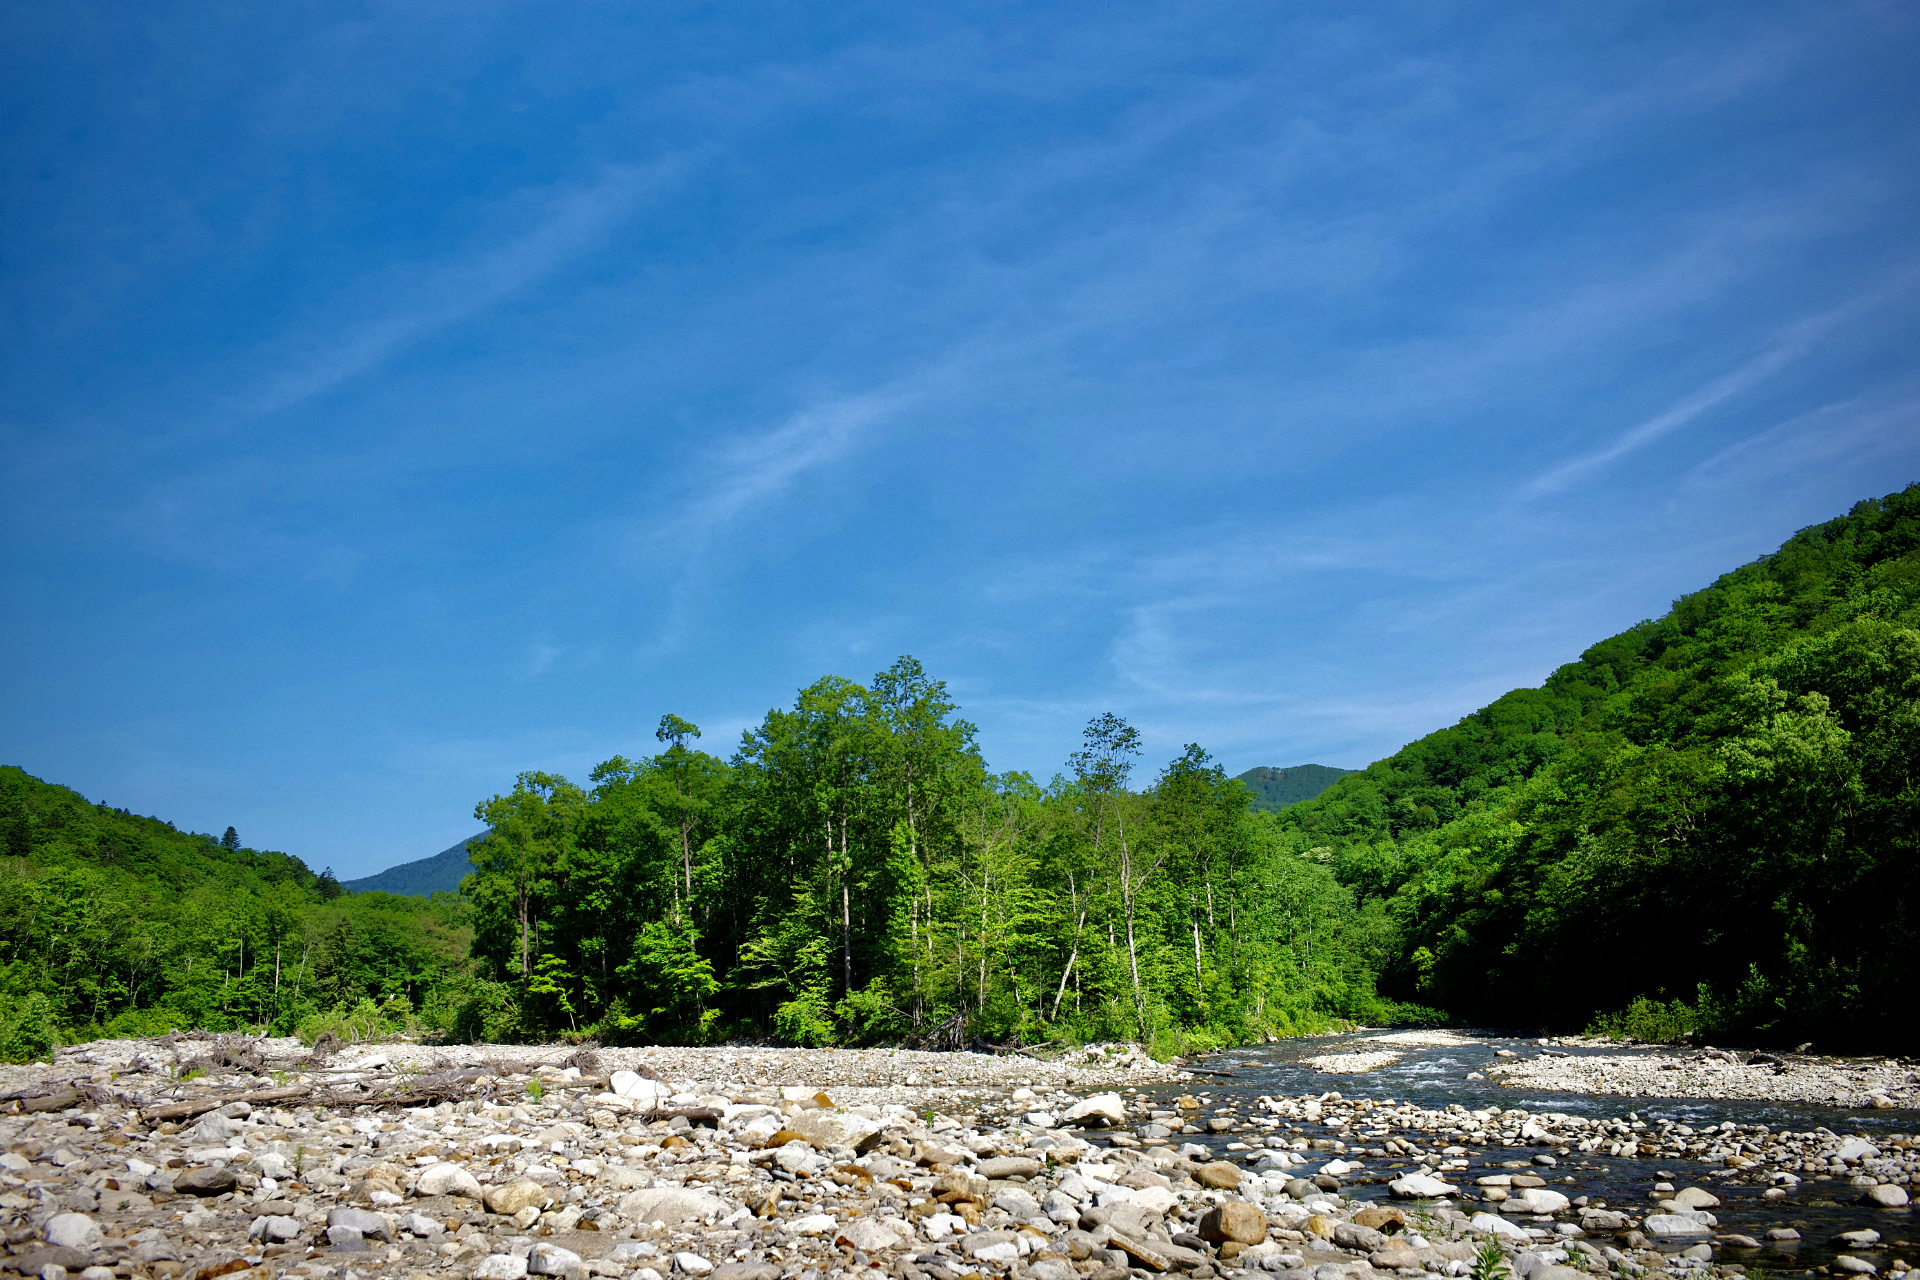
x=1648, y=1020
x=27, y=1030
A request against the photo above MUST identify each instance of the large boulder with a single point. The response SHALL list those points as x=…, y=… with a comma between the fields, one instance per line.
x=1696, y=1198
x=1236, y=1220
x=1675, y=1225
x=72, y=1231
x=1009, y=1167
x=1885, y=1196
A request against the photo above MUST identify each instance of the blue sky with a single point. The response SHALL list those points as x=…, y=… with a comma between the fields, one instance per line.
x=396, y=397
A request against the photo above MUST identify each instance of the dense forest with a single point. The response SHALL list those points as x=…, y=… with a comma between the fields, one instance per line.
x=112, y=924
x=1706, y=823
x=855, y=873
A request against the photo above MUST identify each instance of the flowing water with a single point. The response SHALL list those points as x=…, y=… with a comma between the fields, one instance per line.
x=1434, y=1077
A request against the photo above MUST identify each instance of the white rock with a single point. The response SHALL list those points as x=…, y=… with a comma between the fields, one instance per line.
x=813, y=1224
x=691, y=1264
x=635, y=1087
x=670, y=1205
x=1886, y=1196
x=1102, y=1106
x=1152, y=1199
x=1422, y=1186
x=1856, y=1149
x=1538, y=1200
x=500, y=1266
x=1494, y=1224
x=421, y=1225
x=551, y=1260
x=447, y=1180
x=824, y=1128
x=943, y=1226
x=624, y=1177
x=73, y=1231
x=1673, y=1224
x=868, y=1234
x=1006, y=1252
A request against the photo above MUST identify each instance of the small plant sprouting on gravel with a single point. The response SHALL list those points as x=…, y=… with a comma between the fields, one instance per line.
x=534, y=1090
x=1490, y=1263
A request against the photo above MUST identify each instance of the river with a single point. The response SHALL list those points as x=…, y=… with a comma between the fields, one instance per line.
x=1434, y=1077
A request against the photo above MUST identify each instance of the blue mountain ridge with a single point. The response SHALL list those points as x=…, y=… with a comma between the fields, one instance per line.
x=441, y=873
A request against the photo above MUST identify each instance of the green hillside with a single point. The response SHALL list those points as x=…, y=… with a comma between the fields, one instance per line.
x=115, y=923
x=1275, y=789
x=1713, y=814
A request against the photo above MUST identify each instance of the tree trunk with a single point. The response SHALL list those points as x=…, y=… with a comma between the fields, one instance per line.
x=1199, y=984
x=846, y=912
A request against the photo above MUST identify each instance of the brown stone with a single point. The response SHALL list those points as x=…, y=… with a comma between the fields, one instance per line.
x=1381, y=1218
x=1236, y=1221
x=512, y=1197
x=1219, y=1175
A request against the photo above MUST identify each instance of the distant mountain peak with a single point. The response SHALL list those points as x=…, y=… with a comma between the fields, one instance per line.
x=442, y=873
x=1276, y=788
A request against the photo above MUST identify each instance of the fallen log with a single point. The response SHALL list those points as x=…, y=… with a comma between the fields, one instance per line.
x=200, y=1106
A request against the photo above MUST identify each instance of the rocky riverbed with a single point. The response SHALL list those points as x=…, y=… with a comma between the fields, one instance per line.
x=195, y=1159
x=1718, y=1073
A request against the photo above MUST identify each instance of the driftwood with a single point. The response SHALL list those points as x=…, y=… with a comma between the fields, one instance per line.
x=200, y=1106
x=50, y=1101
x=441, y=1087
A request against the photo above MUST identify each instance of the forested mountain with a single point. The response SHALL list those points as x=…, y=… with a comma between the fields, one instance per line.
x=120, y=924
x=442, y=873
x=1275, y=789
x=1713, y=813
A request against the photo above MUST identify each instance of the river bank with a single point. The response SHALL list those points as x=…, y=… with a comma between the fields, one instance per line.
x=496, y=1162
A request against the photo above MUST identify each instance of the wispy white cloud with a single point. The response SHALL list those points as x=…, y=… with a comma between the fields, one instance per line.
x=573, y=221
x=1790, y=347
x=1784, y=351
x=749, y=473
